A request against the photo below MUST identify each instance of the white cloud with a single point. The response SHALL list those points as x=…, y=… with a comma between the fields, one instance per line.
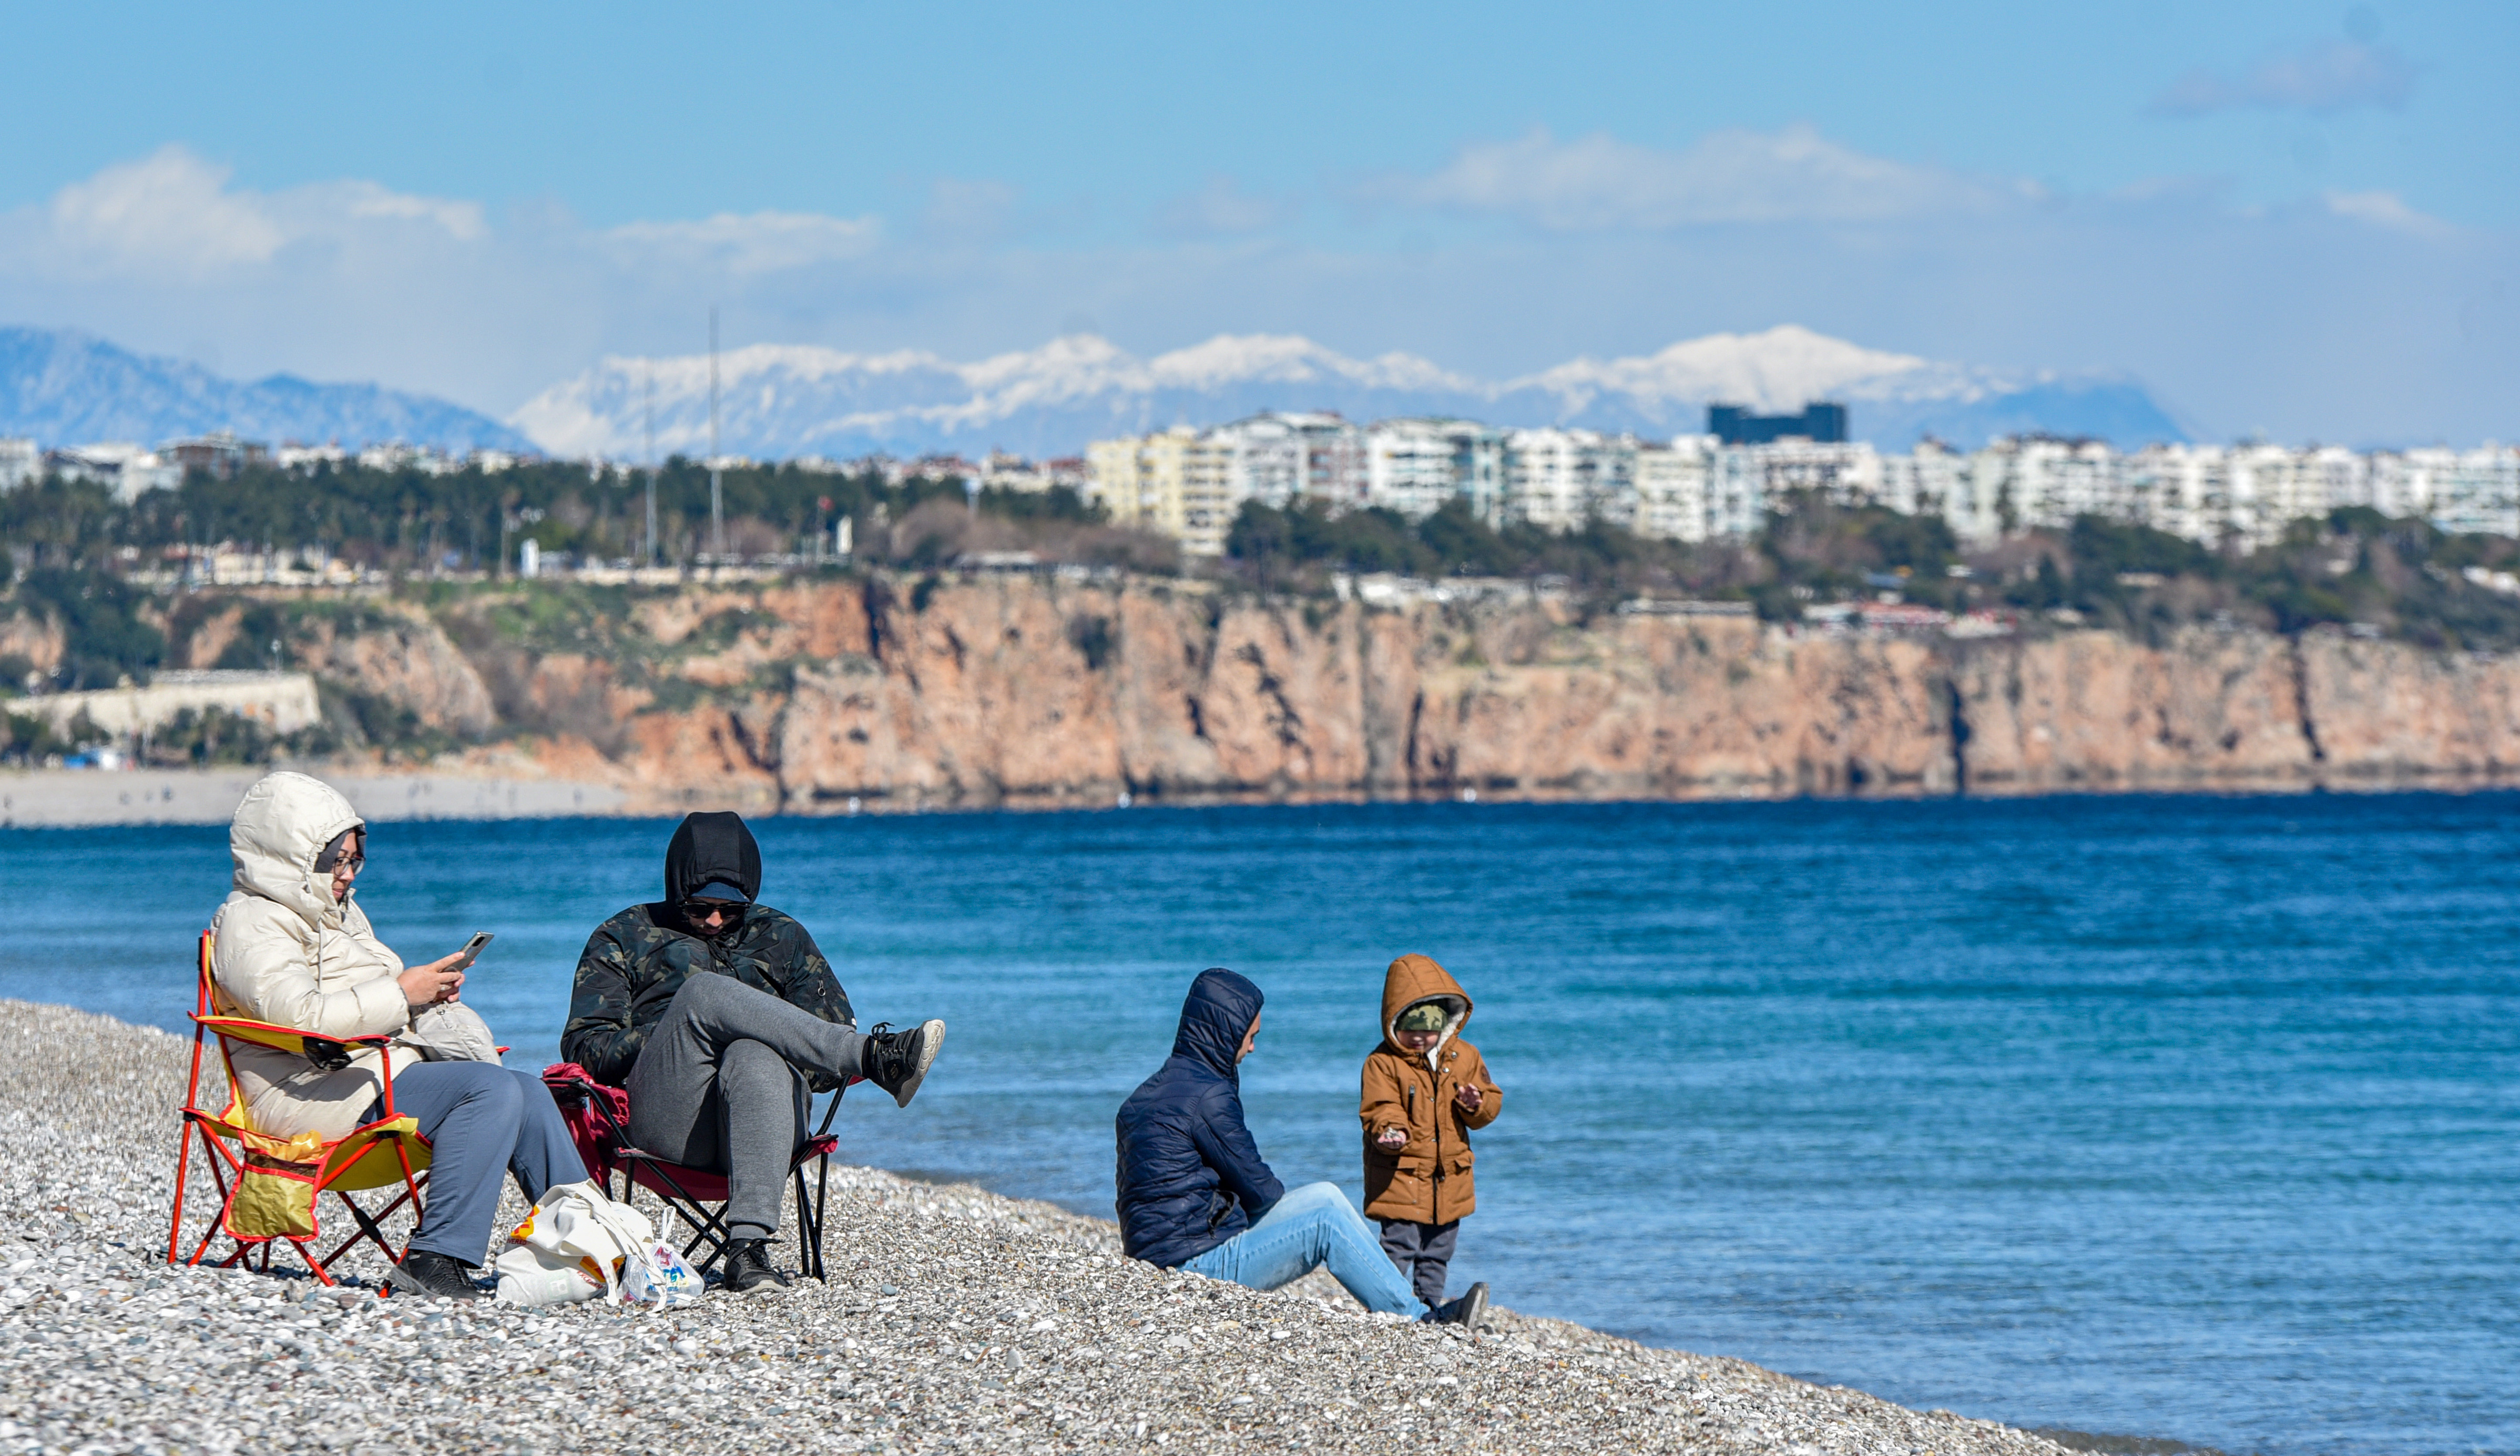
x=2386, y=209
x=173, y=217
x=167, y=211
x=1598, y=182
x=965, y=212
x=2321, y=318
x=753, y=243
x=1222, y=209
x=2325, y=77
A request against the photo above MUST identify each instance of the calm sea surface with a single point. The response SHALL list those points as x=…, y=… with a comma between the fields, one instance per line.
x=2166, y=1117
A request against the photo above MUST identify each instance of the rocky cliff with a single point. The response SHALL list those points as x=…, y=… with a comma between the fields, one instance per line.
x=885, y=693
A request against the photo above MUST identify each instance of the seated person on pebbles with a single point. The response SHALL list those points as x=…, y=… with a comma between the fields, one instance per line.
x=293, y=948
x=717, y=1015
x=1195, y=1194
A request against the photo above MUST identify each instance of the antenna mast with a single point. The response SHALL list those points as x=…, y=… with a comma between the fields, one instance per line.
x=717, y=492
x=647, y=547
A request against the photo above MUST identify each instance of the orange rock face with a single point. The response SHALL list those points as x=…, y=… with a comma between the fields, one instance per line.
x=814, y=698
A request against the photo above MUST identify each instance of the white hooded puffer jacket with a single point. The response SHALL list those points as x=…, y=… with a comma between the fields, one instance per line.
x=286, y=953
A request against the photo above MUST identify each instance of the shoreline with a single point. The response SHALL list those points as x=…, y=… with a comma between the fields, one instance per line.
x=96, y=797
x=955, y=1319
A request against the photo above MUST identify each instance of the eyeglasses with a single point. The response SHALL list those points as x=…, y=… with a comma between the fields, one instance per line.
x=702, y=910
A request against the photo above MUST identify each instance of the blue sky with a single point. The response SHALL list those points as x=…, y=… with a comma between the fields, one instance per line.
x=2299, y=220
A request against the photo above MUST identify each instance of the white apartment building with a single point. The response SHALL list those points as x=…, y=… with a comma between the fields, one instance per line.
x=1278, y=459
x=22, y=463
x=130, y=469
x=2479, y=491
x=1416, y=465
x=1694, y=489
x=1551, y=476
x=1933, y=480
x=1672, y=487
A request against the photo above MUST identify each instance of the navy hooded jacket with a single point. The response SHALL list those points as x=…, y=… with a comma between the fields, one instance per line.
x=1190, y=1175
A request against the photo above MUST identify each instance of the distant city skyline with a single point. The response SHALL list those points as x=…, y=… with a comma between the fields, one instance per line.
x=2283, y=219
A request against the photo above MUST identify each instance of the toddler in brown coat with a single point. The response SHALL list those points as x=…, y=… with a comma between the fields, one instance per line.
x=1422, y=1092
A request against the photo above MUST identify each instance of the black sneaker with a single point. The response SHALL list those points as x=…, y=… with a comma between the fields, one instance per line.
x=1469, y=1311
x=747, y=1269
x=898, y=1061
x=424, y=1275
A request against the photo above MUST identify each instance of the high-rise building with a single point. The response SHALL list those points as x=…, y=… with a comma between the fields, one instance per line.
x=1821, y=423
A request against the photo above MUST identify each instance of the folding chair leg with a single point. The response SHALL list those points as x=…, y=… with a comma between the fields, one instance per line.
x=183, y=1166
x=822, y=1195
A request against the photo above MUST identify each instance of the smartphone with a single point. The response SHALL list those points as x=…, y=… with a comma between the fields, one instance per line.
x=473, y=949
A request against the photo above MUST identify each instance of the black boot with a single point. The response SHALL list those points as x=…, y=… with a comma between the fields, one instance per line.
x=424, y=1275
x=1469, y=1311
x=898, y=1061
x=747, y=1269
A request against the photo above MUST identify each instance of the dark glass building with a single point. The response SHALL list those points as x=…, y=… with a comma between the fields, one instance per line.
x=1821, y=423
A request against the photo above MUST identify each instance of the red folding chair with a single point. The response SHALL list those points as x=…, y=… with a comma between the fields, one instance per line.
x=271, y=1188
x=599, y=1120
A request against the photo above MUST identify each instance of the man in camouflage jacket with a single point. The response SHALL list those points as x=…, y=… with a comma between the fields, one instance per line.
x=718, y=1014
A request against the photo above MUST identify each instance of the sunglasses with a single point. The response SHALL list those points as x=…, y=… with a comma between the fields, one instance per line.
x=701, y=909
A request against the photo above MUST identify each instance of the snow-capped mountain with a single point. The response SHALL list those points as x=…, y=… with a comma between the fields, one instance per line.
x=779, y=400
x=68, y=388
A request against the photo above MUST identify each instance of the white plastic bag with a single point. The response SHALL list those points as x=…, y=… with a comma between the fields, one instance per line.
x=572, y=1247
x=657, y=1275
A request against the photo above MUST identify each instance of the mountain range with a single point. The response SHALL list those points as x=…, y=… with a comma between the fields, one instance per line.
x=780, y=401
x=62, y=387
x=777, y=401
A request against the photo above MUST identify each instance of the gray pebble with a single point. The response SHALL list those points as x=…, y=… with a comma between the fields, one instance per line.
x=953, y=1320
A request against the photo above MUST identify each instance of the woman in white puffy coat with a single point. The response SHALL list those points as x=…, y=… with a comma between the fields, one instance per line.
x=293, y=948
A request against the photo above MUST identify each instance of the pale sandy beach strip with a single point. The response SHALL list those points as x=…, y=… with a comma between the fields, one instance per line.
x=955, y=1320
x=69, y=798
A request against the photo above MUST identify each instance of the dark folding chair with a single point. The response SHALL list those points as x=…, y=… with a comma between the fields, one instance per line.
x=599, y=1119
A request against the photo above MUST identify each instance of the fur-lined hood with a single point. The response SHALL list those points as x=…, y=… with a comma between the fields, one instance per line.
x=1412, y=979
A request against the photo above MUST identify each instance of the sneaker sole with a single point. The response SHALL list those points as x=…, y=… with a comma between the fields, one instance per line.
x=765, y=1286
x=931, y=1039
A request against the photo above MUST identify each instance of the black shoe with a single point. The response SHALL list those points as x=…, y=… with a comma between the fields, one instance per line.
x=424, y=1275
x=747, y=1269
x=898, y=1061
x=1469, y=1311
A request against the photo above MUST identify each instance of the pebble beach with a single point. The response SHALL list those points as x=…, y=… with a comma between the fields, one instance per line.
x=953, y=1320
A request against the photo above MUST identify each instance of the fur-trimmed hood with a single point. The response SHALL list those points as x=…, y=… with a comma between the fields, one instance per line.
x=1413, y=978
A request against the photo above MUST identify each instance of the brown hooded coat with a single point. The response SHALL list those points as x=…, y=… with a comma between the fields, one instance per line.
x=1428, y=1180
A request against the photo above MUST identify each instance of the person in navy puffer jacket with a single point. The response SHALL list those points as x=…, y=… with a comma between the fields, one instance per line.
x=1195, y=1194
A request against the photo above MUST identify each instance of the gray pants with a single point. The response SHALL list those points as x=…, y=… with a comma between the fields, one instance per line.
x=481, y=1120
x=1423, y=1251
x=720, y=1085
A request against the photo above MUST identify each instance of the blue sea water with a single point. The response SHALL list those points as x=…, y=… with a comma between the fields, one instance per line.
x=2185, y=1118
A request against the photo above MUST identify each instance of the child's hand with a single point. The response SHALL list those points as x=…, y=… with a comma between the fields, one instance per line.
x=1391, y=1139
x=1466, y=1097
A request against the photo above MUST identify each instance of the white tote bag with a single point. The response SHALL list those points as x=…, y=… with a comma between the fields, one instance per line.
x=572, y=1247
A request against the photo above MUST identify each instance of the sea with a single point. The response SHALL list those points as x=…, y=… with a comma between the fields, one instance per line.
x=2162, y=1119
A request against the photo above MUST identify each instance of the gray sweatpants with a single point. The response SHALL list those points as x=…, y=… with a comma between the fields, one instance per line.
x=721, y=1085
x=1423, y=1251
x=482, y=1119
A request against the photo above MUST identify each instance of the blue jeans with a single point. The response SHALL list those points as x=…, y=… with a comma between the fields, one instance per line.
x=1312, y=1226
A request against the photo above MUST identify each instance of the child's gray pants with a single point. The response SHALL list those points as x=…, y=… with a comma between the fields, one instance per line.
x=720, y=1085
x=1423, y=1251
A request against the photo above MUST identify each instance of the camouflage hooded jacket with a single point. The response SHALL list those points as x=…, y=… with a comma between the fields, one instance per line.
x=635, y=961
